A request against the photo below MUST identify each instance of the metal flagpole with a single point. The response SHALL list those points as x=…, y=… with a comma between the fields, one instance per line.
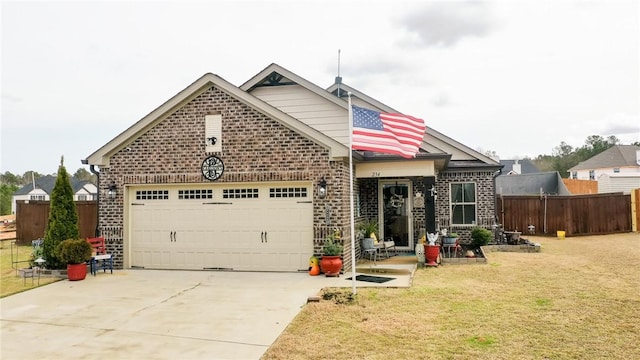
x=351, y=220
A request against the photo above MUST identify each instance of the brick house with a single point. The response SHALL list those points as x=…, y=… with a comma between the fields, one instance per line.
x=227, y=177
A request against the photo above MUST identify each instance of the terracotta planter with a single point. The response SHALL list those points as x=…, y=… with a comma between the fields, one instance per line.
x=76, y=271
x=331, y=265
x=431, y=253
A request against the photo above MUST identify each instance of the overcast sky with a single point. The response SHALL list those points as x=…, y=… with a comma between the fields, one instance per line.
x=512, y=77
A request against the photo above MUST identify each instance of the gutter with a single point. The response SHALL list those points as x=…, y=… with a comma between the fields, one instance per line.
x=495, y=198
x=97, y=174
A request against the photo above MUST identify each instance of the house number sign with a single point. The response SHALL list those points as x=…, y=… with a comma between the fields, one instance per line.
x=212, y=168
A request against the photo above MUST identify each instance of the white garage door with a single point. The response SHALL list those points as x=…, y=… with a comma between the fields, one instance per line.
x=261, y=227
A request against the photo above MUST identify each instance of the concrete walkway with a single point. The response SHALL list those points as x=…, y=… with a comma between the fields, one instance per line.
x=153, y=314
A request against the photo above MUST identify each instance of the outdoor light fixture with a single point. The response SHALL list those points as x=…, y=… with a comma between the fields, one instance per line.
x=113, y=191
x=322, y=188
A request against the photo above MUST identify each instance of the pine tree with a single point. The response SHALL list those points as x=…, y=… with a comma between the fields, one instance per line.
x=63, y=218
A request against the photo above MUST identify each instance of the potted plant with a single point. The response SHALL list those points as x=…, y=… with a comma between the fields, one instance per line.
x=369, y=229
x=331, y=262
x=449, y=239
x=75, y=253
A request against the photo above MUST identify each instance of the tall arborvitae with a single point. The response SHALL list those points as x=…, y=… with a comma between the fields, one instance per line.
x=63, y=218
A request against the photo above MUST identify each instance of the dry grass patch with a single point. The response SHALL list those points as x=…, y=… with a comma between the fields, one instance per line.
x=10, y=283
x=576, y=299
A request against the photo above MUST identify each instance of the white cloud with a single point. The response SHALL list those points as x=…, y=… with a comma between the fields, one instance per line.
x=513, y=77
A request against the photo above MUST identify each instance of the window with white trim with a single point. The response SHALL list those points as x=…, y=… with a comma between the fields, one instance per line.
x=37, y=197
x=82, y=197
x=616, y=170
x=463, y=203
x=592, y=174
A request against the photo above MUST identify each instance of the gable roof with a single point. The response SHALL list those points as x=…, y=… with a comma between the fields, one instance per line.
x=101, y=156
x=47, y=183
x=615, y=156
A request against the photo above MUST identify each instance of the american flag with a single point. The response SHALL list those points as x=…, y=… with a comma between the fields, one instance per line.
x=386, y=133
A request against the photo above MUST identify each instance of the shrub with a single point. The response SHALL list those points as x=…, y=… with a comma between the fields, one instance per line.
x=331, y=247
x=480, y=237
x=72, y=251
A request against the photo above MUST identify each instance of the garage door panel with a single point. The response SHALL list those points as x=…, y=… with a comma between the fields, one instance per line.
x=241, y=227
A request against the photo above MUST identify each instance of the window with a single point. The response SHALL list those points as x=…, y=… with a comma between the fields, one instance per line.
x=195, y=194
x=592, y=174
x=463, y=203
x=82, y=197
x=152, y=195
x=574, y=175
x=36, y=197
x=291, y=192
x=616, y=170
x=240, y=193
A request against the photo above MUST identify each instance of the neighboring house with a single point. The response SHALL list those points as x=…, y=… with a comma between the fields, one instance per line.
x=616, y=160
x=546, y=183
x=618, y=183
x=254, y=178
x=518, y=167
x=616, y=169
x=43, y=186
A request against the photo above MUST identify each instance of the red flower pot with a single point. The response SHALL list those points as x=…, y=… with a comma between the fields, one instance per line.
x=331, y=265
x=76, y=271
x=431, y=253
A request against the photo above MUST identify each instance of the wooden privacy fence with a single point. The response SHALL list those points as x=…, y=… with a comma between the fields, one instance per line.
x=32, y=217
x=575, y=215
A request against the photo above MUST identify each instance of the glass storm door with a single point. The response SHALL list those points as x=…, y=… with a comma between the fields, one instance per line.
x=395, y=212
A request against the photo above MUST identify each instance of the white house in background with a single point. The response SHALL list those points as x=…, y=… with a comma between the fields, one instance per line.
x=41, y=189
x=618, y=183
x=618, y=160
x=616, y=169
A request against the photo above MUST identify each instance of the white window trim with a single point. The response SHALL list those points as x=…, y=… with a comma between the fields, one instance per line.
x=474, y=203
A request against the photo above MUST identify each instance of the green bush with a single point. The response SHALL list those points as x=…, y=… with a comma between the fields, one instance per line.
x=480, y=237
x=332, y=247
x=72, y=251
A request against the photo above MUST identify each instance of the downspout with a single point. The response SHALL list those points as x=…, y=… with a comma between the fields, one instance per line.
x=97, y=174
x=495, y=198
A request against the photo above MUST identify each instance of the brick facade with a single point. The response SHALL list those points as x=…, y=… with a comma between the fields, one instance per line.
x=255, y=148
x=485, y=199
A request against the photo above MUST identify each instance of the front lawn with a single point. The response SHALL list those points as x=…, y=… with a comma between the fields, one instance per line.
x=578, y=298
x=10, y=283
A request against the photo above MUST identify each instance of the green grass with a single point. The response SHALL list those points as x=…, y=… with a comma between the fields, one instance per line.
x=577, y=299
x=10, y=281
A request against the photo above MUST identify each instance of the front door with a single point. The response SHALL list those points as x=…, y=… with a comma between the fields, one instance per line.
x=395, y=212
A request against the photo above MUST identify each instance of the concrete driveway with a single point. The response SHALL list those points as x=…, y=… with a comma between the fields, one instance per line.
x=152, y=314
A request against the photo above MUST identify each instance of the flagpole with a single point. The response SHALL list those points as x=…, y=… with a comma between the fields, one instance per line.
x=351, y=216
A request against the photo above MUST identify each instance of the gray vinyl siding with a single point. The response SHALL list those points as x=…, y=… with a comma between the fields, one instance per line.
x=309, y=108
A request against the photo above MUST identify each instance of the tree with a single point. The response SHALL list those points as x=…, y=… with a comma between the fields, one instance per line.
x=63, y=218
x=83, y=174
x=6, y=196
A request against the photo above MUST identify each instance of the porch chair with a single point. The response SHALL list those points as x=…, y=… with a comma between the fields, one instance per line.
x=389, y=244
x=100, y=249
x=369, y=248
